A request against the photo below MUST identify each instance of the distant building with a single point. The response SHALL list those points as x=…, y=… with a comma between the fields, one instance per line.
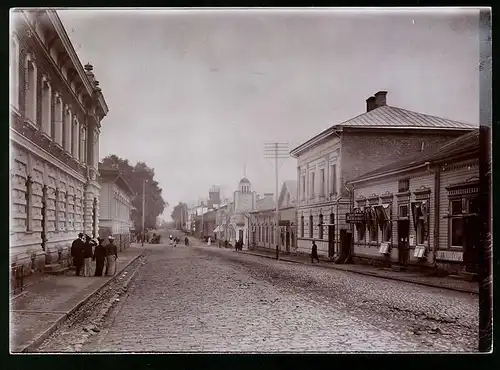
x=382, y=135
x=422, y=211
x=115, y=206
x=263, y=222
x=56, y=113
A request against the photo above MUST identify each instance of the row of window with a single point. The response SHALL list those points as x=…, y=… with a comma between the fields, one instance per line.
x=311, y=189
x=321, y=230
x=63, y=126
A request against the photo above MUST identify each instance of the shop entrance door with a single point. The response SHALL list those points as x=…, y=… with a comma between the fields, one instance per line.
x=288, y=241
x=403, y=243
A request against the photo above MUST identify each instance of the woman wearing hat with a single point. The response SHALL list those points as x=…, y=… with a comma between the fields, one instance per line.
x=99, y=257
x=111, y=256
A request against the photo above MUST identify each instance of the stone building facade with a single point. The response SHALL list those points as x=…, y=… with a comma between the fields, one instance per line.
x=422, y=211
x=56, y=112
x=115, y=207
x=382, y=135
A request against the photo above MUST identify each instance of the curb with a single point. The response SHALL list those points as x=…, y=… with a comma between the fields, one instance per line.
x=37, y=341
x=456, y=289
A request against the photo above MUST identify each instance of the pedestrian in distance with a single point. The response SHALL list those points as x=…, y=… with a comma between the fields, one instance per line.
x=99, y=257
x=186, y=241
x=314, y=252
x=87, y=256
x=111, y=256
x=77, y=249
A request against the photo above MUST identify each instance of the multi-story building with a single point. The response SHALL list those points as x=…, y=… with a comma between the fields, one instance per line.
x=115, y=206
x=56, y=113
x=381, y=135
x=423, y=211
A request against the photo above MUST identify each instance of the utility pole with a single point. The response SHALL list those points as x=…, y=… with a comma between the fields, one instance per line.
x=143, y=208
x=485, y=244
x=202, y=226
x=276, y=151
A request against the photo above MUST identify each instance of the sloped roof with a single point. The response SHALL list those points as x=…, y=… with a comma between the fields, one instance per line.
x=291, y=185
x=116, y=176
x=264, y=204
x=244, y=180
x=389, y=117
x=392, y=117
x=465, y=144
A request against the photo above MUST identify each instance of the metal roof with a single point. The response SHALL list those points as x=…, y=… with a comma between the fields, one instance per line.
x=388, y=116
x=465, y=144
x=264, y=204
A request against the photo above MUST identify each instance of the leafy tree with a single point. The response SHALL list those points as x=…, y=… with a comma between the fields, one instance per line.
x=135, y=176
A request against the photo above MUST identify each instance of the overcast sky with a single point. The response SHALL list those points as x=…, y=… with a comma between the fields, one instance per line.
x=196, y=94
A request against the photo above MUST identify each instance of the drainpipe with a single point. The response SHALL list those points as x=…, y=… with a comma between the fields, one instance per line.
x=437, y=219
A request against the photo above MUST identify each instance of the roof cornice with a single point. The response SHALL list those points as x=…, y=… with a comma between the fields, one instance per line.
x=311, y=142
x=59, y=27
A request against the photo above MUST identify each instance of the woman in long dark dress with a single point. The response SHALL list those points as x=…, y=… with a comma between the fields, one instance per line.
x=99, y=257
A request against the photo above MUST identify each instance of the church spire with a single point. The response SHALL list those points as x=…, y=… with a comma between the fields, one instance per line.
x=245, y=170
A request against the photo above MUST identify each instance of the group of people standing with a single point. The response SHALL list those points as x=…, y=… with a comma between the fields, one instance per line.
x=84, y=250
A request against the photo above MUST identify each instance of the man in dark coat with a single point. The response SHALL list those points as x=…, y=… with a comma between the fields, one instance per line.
x=314, y=252
x=99, y=257
x=77, y=248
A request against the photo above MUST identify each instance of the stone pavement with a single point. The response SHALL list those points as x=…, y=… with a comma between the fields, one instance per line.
x=38, y=312
x=409, y=277
x=212, y=299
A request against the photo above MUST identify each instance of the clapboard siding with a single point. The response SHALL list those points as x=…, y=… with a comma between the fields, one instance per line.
x=418, y=179
x=454, y=173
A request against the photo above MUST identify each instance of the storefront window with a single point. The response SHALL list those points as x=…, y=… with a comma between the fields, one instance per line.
x=361, y=232
x=460, y=209
x=372, y=224
x=420, y=215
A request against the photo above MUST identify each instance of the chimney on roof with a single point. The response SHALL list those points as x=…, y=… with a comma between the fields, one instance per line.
x=370, y=103
x=380, y=99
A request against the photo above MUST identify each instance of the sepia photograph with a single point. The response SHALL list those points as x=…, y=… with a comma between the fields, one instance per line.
x=250, y=180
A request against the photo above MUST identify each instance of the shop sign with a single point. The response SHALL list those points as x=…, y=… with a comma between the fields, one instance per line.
x=450, y=256
x=355, y=218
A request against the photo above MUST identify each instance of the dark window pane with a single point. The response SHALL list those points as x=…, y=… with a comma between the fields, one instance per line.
x=403, y=211
x=456, y=207
x=403, y=185
x=474, y=205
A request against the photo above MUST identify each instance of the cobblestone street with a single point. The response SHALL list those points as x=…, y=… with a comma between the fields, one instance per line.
x=210, y=299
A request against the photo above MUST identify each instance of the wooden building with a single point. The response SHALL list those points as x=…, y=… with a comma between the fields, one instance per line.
x=421, y=211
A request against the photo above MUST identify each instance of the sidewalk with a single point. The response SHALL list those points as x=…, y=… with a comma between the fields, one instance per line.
x=38, y=312
x=409, y=277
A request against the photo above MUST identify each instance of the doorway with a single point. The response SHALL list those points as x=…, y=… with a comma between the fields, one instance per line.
x=288, y=240
x=403, y=243
x=331, y=236
x=240, y=234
